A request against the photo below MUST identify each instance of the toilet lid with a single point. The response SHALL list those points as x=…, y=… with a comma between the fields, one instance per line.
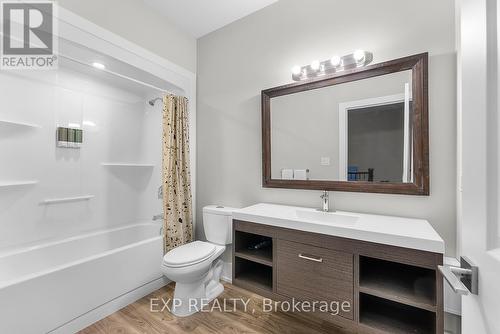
x=191, y=253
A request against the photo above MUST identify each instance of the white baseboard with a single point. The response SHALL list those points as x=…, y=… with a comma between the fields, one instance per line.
x=226, y=279
x=227, y=272
x=110, y=307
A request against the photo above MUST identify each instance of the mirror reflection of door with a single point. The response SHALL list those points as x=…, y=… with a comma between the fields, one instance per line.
x=375, y=141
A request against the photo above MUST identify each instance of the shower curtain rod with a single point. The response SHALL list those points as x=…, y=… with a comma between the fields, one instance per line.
x=117, y=74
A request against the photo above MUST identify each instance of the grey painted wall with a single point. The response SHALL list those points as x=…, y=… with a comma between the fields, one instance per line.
x=236, y=62
x=137, y=22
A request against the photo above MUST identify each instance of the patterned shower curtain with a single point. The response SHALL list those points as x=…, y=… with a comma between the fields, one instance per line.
x=177, y=198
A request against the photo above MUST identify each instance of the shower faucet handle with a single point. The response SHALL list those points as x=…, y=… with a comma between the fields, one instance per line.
x=158, y=217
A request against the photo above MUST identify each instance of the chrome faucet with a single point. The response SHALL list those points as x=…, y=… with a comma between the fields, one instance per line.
x=326, y=201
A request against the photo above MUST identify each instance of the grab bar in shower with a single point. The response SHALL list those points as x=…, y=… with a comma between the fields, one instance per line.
x=67, y=199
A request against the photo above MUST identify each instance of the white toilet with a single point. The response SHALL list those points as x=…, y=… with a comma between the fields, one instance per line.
x=195, y=267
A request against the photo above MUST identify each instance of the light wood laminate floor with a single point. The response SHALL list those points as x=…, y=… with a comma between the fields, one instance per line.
x=138, y=319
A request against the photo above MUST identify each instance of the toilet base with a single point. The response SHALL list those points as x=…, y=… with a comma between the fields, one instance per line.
x=215, y=292
x=190, y=298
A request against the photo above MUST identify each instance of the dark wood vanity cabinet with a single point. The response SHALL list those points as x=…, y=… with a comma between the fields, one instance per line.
x=389, y=289
x=314, y=274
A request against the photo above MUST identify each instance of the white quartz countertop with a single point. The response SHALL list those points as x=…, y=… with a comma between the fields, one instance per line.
x=396, y=231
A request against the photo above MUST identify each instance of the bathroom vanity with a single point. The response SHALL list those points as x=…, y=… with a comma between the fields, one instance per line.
x=361, y=130
x=385, y=267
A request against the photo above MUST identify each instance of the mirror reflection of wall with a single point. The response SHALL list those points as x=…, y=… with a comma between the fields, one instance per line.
x=356, y=126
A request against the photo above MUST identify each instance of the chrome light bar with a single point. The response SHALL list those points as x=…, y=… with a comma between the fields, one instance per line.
x=358, y=58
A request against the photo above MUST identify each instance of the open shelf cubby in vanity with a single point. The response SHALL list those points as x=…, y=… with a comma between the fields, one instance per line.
x=253, y=267
x=387, y=316
x=396, y=297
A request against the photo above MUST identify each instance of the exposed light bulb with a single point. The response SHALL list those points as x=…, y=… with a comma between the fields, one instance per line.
x=315, y=65
x=359, y=55
x=335, y=61
x=98, y=65
x=335, y=64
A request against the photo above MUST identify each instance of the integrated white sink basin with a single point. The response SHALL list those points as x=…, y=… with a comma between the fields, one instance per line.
x=388, y=230
x=326, y=217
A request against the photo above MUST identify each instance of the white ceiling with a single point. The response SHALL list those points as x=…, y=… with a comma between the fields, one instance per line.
x=200, y=17
x=117, y=73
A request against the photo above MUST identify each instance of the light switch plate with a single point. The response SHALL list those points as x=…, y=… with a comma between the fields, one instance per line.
x=325, y=161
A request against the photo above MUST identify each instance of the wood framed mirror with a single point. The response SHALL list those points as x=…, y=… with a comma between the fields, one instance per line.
x=361, y=130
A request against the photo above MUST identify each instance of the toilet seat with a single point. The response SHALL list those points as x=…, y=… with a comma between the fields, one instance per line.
x=189, y=254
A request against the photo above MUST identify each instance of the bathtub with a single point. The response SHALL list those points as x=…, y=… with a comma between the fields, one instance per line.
x=48, y=287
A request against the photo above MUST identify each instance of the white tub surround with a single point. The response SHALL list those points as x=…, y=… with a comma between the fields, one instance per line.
x=396, y=231
x=51, y=286
x=113, y=178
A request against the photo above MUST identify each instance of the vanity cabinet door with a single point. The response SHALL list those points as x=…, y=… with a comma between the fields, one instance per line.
x=311, y=273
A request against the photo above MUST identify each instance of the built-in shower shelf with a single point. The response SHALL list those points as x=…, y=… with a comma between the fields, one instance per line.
x=67, y=199
x=122, y=164
x=23, y=124
x=5, y=184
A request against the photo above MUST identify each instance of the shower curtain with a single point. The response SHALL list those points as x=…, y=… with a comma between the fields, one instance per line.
x=177, y=197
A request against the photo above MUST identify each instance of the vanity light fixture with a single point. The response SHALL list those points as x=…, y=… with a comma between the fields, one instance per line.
x=296, y=70
x=315, y=65
x=336, y=61
x=336, y=64
x=358, y=55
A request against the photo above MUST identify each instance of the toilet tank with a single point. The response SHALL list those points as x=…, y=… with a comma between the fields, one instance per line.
x=218, y=224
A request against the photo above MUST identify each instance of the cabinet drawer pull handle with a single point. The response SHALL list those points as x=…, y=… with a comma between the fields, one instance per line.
x=311, y=258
